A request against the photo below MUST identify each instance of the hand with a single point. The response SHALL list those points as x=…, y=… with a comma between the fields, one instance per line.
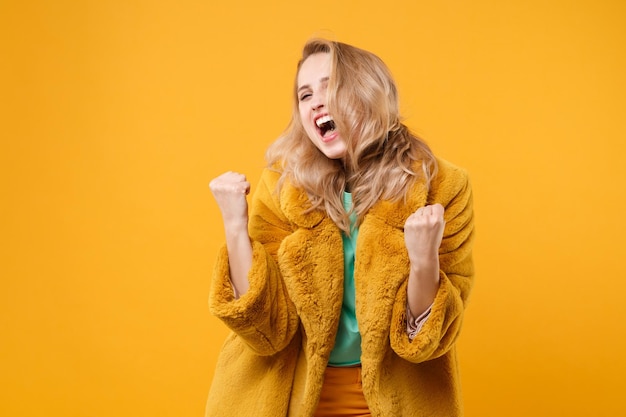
x=230, y=190
x=423, y=232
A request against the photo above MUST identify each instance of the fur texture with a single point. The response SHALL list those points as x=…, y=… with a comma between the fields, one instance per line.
x=284, y=327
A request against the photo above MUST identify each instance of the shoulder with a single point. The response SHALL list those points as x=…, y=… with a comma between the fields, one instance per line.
x=449, y=182
x=290, y=201
x=270, y=177
x=449, y=174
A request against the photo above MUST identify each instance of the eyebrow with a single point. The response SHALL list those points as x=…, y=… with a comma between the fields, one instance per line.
x=305, y=86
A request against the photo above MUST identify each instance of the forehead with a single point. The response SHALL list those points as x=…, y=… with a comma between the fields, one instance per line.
x=314, y=68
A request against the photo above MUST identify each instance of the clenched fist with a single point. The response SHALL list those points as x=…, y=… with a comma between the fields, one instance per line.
x=230, y=190
x=423, y=232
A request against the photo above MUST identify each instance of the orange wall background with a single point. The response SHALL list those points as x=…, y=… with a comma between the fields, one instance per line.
x=115, y=115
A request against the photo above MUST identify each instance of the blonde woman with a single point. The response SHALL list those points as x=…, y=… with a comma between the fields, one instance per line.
x=345, y=285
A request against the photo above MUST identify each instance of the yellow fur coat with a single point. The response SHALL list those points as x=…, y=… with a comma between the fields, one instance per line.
x=284, y=327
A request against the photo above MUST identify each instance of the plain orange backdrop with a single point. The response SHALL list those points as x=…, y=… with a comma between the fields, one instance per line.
x=116, y=114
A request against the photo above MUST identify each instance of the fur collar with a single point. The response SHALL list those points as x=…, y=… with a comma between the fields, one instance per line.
x=294, y=202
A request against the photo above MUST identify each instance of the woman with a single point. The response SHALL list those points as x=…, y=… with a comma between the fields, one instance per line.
x=345, y=286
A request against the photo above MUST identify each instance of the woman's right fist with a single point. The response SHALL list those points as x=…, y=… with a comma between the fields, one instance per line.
x=230, y=190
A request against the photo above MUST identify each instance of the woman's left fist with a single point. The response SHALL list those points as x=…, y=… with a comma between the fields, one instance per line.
x=423, y=232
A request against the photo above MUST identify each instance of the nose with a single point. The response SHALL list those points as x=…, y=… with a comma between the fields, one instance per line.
x=317, y=103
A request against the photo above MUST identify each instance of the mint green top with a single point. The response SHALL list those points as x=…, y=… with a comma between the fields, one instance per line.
x=347, y=350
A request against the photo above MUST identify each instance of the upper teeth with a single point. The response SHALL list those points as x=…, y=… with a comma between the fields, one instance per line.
x=322, y=120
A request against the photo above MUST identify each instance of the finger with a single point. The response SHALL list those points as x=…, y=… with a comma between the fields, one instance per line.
x=437, y=207
x=229, y=189
x=438, y=211
x=228, y=178
x=423, y=211
x=431, y=210
x=236, y=176
x=235, y=188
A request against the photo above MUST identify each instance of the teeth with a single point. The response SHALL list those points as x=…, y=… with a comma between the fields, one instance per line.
x=322, y=120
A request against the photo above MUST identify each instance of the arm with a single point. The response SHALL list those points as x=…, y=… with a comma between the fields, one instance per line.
x=255, y=304
x=453, y=278
x=230, y=190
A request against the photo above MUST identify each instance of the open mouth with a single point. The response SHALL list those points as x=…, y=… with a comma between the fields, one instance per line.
x=325, y=124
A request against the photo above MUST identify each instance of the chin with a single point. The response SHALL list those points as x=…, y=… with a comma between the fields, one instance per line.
x=334, y=155
x=334, y=150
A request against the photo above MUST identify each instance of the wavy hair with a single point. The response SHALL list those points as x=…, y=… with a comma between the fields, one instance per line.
x=381, y=151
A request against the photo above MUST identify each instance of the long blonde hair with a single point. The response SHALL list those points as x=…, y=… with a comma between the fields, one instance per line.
x=381, y=151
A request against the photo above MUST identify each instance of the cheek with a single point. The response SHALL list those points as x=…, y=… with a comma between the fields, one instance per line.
x=304, y=117
x=302, y=113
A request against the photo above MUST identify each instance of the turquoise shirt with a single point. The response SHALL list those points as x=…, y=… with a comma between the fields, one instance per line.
x=347, y=350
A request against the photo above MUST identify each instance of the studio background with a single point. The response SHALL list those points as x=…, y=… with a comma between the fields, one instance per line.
x=115, y=115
